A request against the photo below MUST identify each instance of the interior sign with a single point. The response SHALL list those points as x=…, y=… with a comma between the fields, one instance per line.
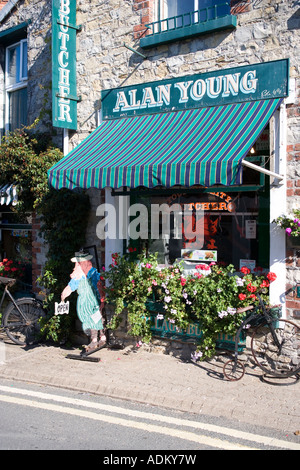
x=64, y=87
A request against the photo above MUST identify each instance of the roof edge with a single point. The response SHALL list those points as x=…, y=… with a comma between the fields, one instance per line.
x=7, y=9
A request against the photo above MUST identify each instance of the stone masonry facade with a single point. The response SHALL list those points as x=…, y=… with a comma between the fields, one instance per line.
x=266, y=30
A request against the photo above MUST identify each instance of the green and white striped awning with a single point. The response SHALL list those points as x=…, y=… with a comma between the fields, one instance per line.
x=203, y=146
x=8, y=194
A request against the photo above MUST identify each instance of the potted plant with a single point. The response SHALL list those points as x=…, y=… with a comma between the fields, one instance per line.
x=220, y=299
x=291, y=224
x=130, y=286
x=214, y=296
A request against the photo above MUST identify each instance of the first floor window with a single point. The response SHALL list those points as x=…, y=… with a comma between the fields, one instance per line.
x=16, y=86
x=173, y=14
x=17, y=108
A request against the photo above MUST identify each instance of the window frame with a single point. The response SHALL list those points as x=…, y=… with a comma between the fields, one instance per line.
x=17, y=85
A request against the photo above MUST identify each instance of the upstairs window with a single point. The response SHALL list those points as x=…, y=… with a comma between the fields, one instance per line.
x=16, y=86
x=178, y=12
x=178, y=19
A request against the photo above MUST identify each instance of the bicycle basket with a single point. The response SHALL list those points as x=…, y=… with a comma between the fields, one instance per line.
x=259, y=319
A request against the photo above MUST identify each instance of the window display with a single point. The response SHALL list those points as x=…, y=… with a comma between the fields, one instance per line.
x=205, y=227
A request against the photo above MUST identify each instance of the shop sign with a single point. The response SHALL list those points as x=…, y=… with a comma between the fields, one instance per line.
x=61, y=308
x=247, y=83
x=64, y=88
x=226, y=203
x=19, y=233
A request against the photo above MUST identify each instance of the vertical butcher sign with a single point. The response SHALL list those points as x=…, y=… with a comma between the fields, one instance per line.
x=64, y=92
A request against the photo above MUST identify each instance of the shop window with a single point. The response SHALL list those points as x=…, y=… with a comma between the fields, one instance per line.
x=16, y=86
x=176, y=19
x=215, y=226
x=16, y=240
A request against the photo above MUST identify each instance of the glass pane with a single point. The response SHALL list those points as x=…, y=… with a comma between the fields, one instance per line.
x=226, y=226
x=180, y=7
x=13, y=66
x=211, y=9
x=184, y=6
x=17, y=109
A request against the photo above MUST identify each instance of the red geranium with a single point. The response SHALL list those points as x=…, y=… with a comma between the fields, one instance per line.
x=10, y=268
x=271, y=276
x=245, y=270
x=251, y=287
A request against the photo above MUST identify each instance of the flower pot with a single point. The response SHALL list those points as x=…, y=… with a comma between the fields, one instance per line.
x=293, y=242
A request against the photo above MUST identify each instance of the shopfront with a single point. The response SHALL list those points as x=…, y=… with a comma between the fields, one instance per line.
x=15, y=236
x=207, y=150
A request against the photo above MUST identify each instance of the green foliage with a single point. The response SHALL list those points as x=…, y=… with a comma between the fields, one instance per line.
x=290, y=224
x=55, y=328
x=25, y=159
x=212, y=296
x=64, y=221
x=130, y=285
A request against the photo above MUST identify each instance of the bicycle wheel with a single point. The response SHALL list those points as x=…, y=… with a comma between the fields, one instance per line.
x=281, y=360
x=233, y=371
x=23, y=328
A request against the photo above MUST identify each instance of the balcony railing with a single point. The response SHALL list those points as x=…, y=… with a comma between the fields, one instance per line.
x=202, y=21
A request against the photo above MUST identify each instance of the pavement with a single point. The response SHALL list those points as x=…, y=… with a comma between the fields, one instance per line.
x=139, y=375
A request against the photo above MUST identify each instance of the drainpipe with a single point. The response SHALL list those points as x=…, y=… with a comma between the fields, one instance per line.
x=66, y=142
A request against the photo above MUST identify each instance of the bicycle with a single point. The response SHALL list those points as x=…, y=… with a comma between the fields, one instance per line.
x=275, y=345
x=20, y=319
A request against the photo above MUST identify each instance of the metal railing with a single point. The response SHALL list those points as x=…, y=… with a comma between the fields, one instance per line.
x=202, y=15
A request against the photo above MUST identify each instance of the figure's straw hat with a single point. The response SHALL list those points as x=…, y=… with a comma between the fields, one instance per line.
x=81, y=256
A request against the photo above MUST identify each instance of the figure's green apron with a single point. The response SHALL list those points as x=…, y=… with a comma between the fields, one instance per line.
x=88, y=305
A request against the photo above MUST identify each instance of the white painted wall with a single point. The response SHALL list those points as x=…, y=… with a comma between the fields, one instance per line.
x=277, y=208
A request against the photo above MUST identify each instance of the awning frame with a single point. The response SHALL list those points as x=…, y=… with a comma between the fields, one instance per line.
x=262, y=170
